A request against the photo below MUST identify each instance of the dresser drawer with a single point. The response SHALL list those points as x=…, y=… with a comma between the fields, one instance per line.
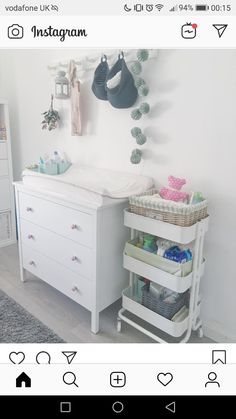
x=58, y=276
x=3, y=150
x=74, y=256
x=70, y=223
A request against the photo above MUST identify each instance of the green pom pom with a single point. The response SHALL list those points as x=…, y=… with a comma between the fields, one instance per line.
x=136, y=156
x=139, y=82
x=135, y=132
x=142, y=55
x=144, y=108
x=143, y=90
x=141, y=139
x=136, y=114
x=136, y=68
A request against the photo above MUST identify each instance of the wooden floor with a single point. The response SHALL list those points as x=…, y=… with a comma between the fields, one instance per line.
x=69, y=320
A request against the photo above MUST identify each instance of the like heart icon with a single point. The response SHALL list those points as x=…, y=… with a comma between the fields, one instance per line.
x=165, y=378
x=17, y=357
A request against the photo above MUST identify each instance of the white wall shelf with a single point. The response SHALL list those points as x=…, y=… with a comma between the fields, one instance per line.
x=183, y=235
x=7, y=206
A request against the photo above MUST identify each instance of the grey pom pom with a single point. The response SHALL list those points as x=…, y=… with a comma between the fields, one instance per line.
x=135, y=132
x=141, y=139
x=136, y=114
x=136, y=156
x=144, y=108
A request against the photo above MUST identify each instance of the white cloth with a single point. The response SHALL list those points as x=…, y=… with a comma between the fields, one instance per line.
x=101, y=181
x=115, y=81
x=76, y=128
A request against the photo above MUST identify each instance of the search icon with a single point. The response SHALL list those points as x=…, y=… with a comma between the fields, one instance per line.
x=69, y=378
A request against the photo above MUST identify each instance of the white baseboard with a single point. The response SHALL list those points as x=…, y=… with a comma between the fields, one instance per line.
x=218, y=332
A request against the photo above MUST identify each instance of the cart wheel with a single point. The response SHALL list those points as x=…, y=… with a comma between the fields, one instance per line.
x=200, y=333
x=118, y=325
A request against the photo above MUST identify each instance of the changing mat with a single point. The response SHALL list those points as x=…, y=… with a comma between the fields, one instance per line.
x=91, y=184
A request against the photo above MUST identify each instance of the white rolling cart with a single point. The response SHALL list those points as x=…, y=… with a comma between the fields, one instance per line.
x=191, y=282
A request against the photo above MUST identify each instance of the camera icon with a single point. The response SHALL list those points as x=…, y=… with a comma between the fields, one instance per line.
x=15, y=32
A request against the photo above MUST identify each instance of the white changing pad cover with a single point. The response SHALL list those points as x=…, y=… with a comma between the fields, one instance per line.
x=94, y=184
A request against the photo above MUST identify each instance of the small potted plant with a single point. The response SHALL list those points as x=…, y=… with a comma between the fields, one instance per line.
x=50, y=118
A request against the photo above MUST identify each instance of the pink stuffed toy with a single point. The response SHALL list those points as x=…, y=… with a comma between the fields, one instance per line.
x=173, y=193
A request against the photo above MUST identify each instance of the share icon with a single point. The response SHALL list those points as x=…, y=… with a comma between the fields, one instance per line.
x=220, y=29
x=69, y=355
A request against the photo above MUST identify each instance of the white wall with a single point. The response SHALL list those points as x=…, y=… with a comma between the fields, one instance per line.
x=191, y=129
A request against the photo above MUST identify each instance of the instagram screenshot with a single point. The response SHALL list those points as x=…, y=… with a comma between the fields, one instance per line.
x=117, y=208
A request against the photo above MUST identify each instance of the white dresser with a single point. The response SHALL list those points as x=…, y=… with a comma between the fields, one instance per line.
x=75, y=248
x=7, y=207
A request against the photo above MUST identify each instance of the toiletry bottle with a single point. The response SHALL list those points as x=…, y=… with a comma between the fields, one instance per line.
x=57, y=158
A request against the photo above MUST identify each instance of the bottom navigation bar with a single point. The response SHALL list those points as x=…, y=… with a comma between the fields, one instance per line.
x=111, y=406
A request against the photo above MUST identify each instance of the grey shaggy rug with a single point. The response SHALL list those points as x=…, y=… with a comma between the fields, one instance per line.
x=19, y=326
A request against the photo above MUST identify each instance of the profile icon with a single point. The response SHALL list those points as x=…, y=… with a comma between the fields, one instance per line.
x=212, y=377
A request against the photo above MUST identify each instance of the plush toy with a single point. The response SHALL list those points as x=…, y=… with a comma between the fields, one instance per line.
x=176, y=183
x=173, y=193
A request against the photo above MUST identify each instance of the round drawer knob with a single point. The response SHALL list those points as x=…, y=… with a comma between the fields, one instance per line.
x=75, y=289
x=32, y=263
x=75, y=259
x=29, y=209
x=30, y=236
x=74, y=227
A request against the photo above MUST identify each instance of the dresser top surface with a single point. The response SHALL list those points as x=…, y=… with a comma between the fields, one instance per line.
x=69, y=200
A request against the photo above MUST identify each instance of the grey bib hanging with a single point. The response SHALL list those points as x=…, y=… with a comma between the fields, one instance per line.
x=99, y=81
x=124, y=95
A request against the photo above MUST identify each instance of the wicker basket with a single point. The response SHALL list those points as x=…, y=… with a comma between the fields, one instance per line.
x=166, y=310
x=168, y=211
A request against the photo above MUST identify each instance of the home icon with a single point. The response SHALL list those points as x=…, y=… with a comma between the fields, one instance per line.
x=23, y=380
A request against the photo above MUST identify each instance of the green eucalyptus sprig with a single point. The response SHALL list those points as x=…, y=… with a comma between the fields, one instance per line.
x=50, y=118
